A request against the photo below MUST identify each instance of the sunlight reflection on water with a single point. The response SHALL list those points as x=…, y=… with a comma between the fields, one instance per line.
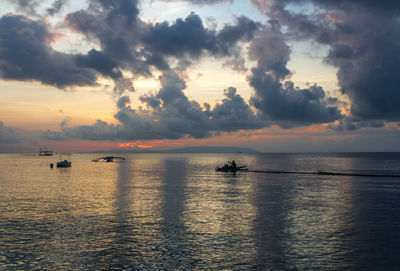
x=173, y=211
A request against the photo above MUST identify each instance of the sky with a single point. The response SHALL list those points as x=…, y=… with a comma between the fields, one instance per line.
x=272, y=75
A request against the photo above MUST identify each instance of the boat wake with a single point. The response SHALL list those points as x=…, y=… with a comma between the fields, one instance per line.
x=332, y=173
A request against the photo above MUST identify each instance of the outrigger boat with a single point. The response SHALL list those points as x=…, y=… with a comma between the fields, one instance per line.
x=108, y=158
x=45, y=152
x=231, y=167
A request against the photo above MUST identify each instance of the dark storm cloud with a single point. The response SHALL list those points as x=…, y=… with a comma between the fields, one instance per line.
x=98, y=131
x=243, y=30
x=29, y=7
x=363, y=37
x=139, y=46
x=15, y=135
x=186, y=36
x=350, y=124
x=118, y=30
x=280, y=101
x=171, y=115
x=368, y=72
x=26, y=6
x=388, y=5
x=175, y=117
x=270, y=51
x=126, y=43
x=151, y=101
x=120, y=13
x=235, y=114
x=100, y=62
x=56, y=6
x=289, y=106
x=189, y=37
x=113, y=23
x=202, y=2
x=123, y=101
x=9, y=134
x=300, y=25
x=25, y=55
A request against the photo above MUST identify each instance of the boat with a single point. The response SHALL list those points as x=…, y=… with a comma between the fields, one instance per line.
x=64, y=163
x=108, y=158
x=45, y=152
x=231, y=167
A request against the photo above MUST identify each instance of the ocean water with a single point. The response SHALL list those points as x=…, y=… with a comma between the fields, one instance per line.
x=175, y=212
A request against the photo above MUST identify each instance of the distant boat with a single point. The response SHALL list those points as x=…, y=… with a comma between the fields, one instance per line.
x=45, y=152
x=64, y=163
x=108, y=158
x=231, y=167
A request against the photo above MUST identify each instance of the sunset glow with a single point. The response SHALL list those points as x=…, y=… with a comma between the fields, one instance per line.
x=148, y=144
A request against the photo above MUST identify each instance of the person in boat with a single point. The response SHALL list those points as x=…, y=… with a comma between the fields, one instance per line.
x=232, y=164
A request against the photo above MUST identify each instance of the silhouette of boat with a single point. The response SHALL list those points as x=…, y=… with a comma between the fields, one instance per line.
x=45, y=152
x=64, y=163
x=108, y=158
x=231, y=167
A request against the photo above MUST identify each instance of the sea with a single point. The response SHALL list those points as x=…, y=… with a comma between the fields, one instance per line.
x=175, y=212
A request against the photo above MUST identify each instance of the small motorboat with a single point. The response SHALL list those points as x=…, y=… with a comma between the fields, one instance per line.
x=64, y=163
x=231, y=167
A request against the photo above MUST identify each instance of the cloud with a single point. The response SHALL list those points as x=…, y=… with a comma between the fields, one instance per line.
x=363, y=40
x=351, y=125
x=9, y=134
x=26, y=6
x=202, y=2
x=301, y=25
x=56, y=7
x=140, y=47
x=122, y=13
x=235, y=114
x=115, y=26
x=100, y=62
x=186, y=36
x=278, y=100
x=128, y=45
x=189, y=37
x=99, y=131
x=15, y=135
x=271, y=51
x=171, y=115
x=386, y=5
x=288, y=106
x=25, y=55
x=368, y=72
x=243, y=30
x=106, y=66
x=29, y=7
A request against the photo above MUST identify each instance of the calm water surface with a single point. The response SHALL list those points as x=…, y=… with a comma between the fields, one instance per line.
x=173, y=211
